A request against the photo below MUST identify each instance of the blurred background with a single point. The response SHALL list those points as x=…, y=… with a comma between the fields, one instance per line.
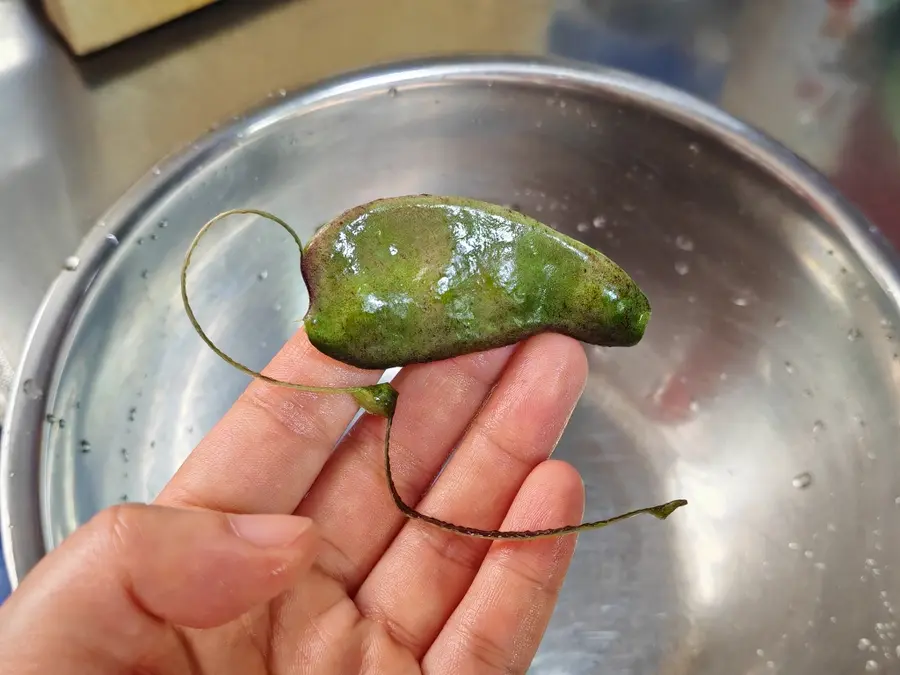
x=94, y=93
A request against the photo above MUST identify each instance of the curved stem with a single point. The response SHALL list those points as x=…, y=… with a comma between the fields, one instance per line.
x=381, y=400
x=370, y=398
x=661, y=511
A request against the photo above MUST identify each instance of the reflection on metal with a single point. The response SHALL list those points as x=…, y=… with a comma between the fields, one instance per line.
x=747, y=377
x=757, y=571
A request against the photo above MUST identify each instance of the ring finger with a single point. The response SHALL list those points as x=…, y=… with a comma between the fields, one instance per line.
x=349, y=501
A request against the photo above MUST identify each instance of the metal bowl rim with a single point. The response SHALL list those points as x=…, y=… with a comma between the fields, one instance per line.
x=61, y=302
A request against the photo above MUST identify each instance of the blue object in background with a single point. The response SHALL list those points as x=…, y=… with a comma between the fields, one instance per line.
x=5, y=588
x=661, y=49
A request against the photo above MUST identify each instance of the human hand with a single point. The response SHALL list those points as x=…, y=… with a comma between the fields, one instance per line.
x=320, y=573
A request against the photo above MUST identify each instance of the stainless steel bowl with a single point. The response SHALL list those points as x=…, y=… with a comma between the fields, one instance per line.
x=765, y=391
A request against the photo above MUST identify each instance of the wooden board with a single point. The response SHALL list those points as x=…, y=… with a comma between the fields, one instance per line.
x=90, y=25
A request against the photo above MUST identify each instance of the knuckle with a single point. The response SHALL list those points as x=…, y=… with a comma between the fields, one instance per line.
x=472, y=368
x=532, y=576
x=297, y=419
x=487, y=652
x=462, y=552
x=116, y=526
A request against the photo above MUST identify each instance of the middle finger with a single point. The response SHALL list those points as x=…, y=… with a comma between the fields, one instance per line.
x=350, y=502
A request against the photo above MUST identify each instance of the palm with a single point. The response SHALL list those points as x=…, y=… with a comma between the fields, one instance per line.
x=286, y=635
x=387, y=594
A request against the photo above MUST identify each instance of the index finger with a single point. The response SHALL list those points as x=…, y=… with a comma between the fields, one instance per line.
x=268, y=449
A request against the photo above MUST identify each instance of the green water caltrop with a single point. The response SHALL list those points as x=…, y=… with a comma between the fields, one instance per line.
x=421, y=278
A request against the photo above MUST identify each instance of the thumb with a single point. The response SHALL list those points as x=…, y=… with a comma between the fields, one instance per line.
x=109, y=591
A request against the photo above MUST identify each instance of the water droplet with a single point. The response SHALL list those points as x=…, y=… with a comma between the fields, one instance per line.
x=780, y=322
x=562, y=104
x=809, y=555
x=898, y=651
x=31, y=390
x=163, y=224
x=740, y=301
x=599, y=222
x=897, y=501
x=277, y=307
x=125, y=454
x=818, y=426
x=833, y=619
x=131, y=414
x=723, y=376
x=62, y=423
x=682, y=267
x=392, y=92
x=628, y=208
x=140, y=240
x=819, y=565
x=582, y=227
x=802, y=480
x=145, y=274
x=694, y=406
x=282, y=93
x=789, y=367
x=153, y=237
x=156, y=171
x=684, y=243
x=864, y=644
x=71, y=263
x=760, y=652
x=770, y=665
x=51, y=418
x=112, y=239
x=85, y=446
x=854, y=334
x=593, y=124
x=871, y=666
x=794, y=546
x=694, y=147
x=262, y=276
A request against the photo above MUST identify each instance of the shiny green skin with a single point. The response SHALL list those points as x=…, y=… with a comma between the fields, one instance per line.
x=422, y=278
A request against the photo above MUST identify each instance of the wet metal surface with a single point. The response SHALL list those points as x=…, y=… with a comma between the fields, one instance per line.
x=765, y=391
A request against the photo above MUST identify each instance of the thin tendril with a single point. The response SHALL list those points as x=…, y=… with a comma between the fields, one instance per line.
x=661, y=512
x=381, y=399
x=196, y=324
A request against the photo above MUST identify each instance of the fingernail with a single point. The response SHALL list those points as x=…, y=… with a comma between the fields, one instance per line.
x=269, y=530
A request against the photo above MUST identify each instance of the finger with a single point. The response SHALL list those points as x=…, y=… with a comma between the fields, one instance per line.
x=500, y=622
x=426, y=571
x=106, y=599
x=350, y=502
x=267, y=450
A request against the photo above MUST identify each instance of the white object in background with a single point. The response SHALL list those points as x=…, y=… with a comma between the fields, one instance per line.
x=785, y=78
